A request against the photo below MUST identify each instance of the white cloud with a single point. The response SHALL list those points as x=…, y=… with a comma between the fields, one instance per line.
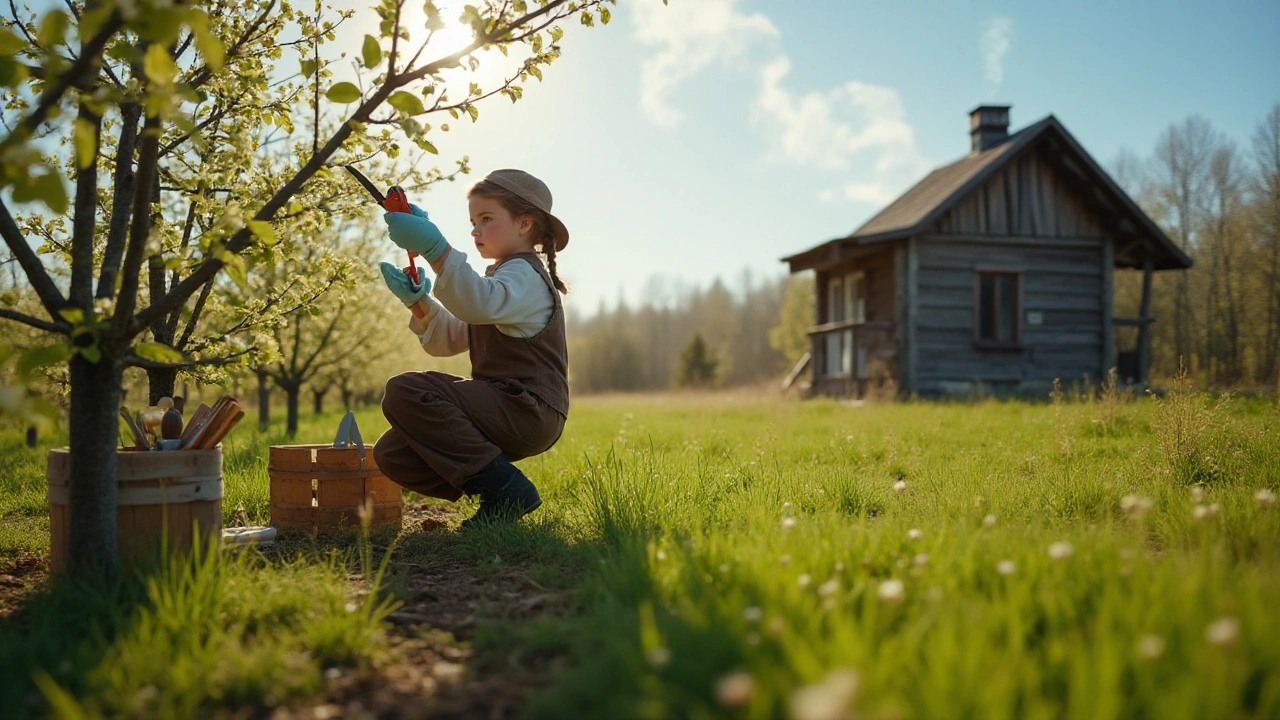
x=855, y=126
x=994, y=43
x=691, y=34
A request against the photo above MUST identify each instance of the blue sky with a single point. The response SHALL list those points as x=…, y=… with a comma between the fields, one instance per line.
x=713, y=136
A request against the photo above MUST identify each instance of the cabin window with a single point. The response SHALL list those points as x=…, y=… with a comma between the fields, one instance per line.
x=846, y=302
x=998, y=305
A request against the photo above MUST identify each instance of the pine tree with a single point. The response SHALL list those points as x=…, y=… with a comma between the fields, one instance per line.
x=697, y=367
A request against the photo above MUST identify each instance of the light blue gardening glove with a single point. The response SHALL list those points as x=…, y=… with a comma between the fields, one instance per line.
x=415, y=232
x=401, y=285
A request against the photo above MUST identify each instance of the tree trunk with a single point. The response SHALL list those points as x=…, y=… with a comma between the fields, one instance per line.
x=292, y=392
x=346, y=399
x=264, y=401
x=161, y=383
x=319, y=399
x=95, y=410
x=32, y=436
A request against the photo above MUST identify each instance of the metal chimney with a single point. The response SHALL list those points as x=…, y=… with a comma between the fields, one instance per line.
x=988, y=126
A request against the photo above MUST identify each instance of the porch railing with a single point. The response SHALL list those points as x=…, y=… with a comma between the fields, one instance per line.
x=845, y=350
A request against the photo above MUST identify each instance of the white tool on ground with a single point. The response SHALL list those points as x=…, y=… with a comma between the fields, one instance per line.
x=349, y=434
x=262, y=535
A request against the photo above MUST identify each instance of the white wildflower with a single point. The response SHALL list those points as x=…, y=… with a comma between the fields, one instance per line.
x=900, y=486
x=827, y=699
x=829, y=588
x=735, y=689
x=788, y=523
x=1006, y=567
x=1197, y=493
x=804, y=580
x=1150, y=646
x=1222, y=631
x=989, y=520
x=1135, y=505
x=752, y=614
x=1265, y=497
x=914, y=534
x=1061, y=550
x=892, y=591
x=922, y=559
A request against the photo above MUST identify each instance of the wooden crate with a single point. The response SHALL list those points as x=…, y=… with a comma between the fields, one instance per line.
x=319, y=487
x=171, y=499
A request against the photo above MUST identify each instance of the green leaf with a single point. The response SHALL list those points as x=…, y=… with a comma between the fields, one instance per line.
x=12, y=72
x=604, y=15
x=86, y=135
x=210, y=47
x=263, y=231
x=158, y=65
x=371, y=52
x=234, y=265
x=474, y=112
x=10, y=44
x=158, y=352
x=47, y=188
x=308, y=67
x=426, y=145
x=90, y=353
x=53, y=29
x=343, y=92
x=407, y=103
x=73, y=315
x=38, y=357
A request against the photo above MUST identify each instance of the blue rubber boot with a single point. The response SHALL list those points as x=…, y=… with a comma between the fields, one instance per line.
x=506, y=495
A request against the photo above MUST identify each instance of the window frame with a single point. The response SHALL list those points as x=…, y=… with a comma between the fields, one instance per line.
x=1016, y=343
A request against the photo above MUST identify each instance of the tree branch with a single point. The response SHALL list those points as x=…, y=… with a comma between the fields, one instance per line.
x=85, y=221
x=139, y=228
x=122, y=199
x=34, y=322
x=131, y=360
x=39, y=278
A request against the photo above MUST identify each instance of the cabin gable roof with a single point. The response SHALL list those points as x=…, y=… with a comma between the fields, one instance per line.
x=916, y=210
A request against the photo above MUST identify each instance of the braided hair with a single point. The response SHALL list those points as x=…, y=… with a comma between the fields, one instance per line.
x=544, y=243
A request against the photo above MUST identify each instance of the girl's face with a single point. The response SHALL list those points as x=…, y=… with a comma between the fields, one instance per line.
x=497, y=234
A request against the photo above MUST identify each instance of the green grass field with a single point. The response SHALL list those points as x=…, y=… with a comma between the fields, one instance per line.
x=730, y=556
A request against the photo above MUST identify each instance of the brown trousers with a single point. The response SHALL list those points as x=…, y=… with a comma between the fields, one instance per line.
x=445, y=428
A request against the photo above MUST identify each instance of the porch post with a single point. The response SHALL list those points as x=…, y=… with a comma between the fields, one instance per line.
x=1144, y=317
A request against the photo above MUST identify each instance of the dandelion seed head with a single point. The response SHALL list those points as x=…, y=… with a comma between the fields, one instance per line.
x=900, y=486
x=1135, y=505
x=658, y=656
x=788, y=523
x=1222, y=631
x=828, y=699
x=786, y=505
x=660, y=555
x=1061, y=550
x=914, y=534
x=351, y=607
x=1264, y=497
x=829, y=588
x=839, y=566
x=804, y=580
x=989, y=520
x=1150, y=646
x=1006, y=567
x=735, y=689
x=892, y=591
x=1197, y=493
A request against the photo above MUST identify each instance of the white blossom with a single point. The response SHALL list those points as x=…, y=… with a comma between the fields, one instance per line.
x=1061, y=550
x=892, y=591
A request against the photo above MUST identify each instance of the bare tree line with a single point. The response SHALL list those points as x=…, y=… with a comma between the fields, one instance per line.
x=1220, y=202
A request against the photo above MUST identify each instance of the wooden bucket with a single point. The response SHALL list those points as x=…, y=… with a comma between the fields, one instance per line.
x=320, y=487
x=172, y=498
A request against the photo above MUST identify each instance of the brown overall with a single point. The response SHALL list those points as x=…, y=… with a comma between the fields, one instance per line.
x=445, y=428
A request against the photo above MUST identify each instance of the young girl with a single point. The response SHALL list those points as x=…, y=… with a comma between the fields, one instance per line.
x=452, y=435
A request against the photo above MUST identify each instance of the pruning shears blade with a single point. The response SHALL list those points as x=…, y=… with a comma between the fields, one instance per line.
x=364, y=181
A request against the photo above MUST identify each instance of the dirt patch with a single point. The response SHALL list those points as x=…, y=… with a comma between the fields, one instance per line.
x=435, y=671
x=18, y=576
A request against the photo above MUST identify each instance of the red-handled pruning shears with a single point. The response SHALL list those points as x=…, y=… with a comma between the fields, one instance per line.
x=394, y=201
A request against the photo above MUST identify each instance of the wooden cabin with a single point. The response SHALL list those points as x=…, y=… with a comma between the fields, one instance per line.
x=992, y=274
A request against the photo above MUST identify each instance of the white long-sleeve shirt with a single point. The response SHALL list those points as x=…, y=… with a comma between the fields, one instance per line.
x=515, y=299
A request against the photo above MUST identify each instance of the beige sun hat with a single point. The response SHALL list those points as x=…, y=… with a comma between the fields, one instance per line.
x=535, y=191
